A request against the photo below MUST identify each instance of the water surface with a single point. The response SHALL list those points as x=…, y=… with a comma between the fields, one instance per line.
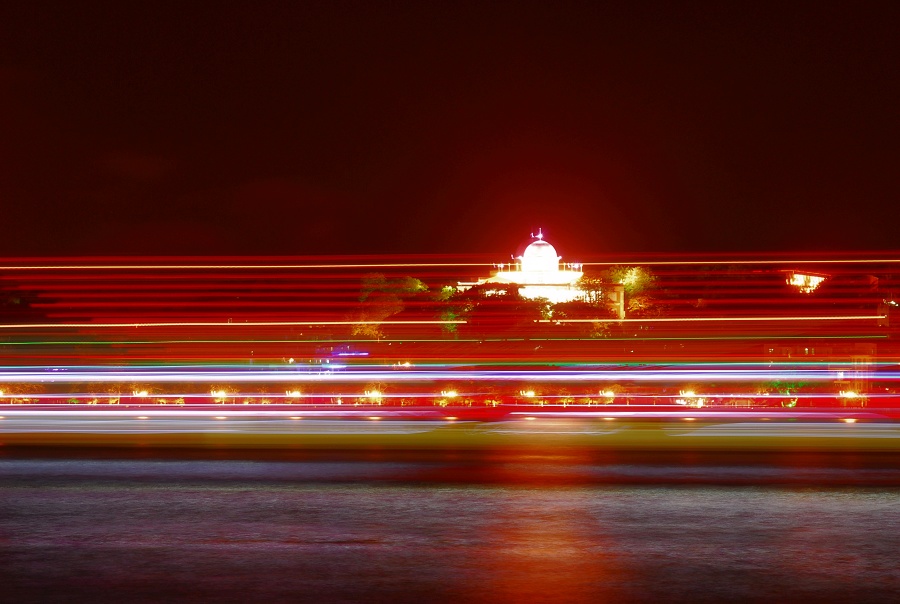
x=351, y=531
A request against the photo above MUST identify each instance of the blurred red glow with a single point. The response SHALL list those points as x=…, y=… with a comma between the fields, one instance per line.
x=834, y=344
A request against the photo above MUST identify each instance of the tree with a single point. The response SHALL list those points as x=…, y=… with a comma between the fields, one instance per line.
x=643, y=306
x=601, y=293
x=381, y=298
x=635, y=279
x=787, y=390
x=592, y=288
x=589, y=320
x=497, y=309
x=638, y=282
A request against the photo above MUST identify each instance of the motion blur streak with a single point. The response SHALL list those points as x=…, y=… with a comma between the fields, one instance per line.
x=764, y=335
x=226, y=324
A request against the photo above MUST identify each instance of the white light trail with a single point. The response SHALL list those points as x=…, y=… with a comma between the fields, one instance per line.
x=286, y=376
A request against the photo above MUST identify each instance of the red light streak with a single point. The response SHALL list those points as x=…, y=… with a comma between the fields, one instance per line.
x=259, y=313
x=221, y=324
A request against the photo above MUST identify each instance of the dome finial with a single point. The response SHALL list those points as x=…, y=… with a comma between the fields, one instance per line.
x=539, y=236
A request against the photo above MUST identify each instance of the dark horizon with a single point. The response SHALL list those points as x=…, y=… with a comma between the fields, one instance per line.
x=419, y=129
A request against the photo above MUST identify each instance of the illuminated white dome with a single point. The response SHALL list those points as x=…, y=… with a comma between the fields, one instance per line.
x=540, y=256
x=538, y=275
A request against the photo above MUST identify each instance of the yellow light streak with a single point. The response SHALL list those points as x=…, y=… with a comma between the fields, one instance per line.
x=224, y=324
x=719, y=319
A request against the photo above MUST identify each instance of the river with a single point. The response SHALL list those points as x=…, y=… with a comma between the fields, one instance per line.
x=350, y=530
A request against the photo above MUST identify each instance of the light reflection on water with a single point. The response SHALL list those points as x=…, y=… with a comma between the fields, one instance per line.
x=354, y=531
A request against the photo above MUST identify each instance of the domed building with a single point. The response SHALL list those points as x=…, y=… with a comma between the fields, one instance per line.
x=538, y=274
x=540, y=257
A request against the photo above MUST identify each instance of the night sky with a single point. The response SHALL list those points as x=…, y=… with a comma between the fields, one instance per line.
x=296, y=128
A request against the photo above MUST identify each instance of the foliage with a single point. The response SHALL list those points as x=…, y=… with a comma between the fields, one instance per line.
x=381, y=298
x=786, y=389
x=592, y=287
x=446, y=293
x=583, y=311
x=643, y=306
x=544, y=307
x=449, y=314
x=636, y=279
x=377, y=283
x=498, y=309
x=596, y=291
x=637, y=282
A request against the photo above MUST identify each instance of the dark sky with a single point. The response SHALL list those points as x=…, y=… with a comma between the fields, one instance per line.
x=299, y=128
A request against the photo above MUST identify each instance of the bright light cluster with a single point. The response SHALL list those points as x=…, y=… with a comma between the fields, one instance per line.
x=805, y=282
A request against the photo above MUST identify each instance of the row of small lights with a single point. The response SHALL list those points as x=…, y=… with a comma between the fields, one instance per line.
x=687, y=397
x=454, y=394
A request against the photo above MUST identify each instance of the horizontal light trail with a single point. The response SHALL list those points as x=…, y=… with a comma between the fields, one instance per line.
x=430, y=322
x=224, y=324
x=746, y=429
x=329, y=327
x=340, y=363
x=780, y=261
x=777, y=414
x=235, y=412
x=457, y=341
x=10, y=412
x=389, y=265
x=350, y=399
x=394, y=376
x=719, y=319
x=203, y=267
